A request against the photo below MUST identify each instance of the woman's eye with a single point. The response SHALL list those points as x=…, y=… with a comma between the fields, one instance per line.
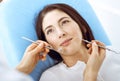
x=65, y=22
x=49, y=31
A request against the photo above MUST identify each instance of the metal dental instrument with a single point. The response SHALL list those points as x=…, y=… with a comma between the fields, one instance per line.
x=49, y=47
x=101, y=47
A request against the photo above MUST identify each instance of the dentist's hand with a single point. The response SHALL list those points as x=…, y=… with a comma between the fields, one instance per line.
x=32, y=56
x=95, y=61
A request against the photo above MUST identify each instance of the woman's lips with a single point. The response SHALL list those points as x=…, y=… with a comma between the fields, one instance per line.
x=66, y=42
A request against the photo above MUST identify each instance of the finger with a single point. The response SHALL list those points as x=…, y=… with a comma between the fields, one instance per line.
x=44, y=53
x=46, y=44
x=93, y=41
x=43, y=56
x=98, y=43
x=94, y=48
x=90, y=50
x=101, y=50
x=46, y=50
x=89, y=45
x=38, y=49
x=31, y=47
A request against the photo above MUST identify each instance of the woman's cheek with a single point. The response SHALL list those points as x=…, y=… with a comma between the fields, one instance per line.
x=53, y=42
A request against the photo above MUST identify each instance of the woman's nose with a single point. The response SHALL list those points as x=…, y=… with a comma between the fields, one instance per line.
x=61, y=33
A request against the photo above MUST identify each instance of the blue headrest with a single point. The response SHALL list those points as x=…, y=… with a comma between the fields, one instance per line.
x=17, y=19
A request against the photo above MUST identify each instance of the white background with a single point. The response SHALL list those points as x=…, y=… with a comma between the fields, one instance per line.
x=108, y=12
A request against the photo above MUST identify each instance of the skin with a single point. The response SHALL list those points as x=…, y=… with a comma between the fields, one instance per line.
x=56, y=31
x=61, y=28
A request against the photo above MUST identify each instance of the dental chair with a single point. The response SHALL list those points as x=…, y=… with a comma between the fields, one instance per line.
x=17, y=19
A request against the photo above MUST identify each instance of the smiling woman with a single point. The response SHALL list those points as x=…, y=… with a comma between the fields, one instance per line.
x=78, y=61
x=65, y=31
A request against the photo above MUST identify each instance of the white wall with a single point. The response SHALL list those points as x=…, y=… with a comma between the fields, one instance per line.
x=108, y=12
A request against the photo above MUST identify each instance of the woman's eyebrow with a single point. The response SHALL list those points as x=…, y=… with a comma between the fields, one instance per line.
x=47, y=27
x=62, y=18
x=58, y=21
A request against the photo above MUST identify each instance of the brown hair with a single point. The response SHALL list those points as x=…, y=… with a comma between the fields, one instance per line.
x=85, y=29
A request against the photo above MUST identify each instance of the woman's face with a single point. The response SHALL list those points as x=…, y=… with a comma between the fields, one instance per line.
x=62, y=32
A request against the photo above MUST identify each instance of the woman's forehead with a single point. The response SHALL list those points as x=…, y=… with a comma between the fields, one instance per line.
x=55, y=13
x=54, y=16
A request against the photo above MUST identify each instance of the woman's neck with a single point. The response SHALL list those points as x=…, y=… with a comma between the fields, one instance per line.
x=71, y=60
